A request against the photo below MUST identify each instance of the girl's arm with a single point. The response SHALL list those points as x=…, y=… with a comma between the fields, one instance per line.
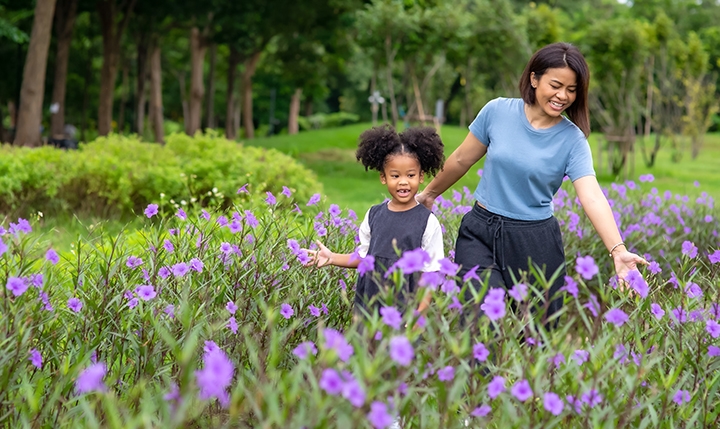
x=432, y=243
x=600, y=214
x=457, y=164
x=325, y=256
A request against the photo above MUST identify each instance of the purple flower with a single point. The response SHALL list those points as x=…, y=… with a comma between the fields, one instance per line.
x=378, y=416
x=231, y=307
x=481, y=411
x=180, y=269
x=480, y=352
x=243, y=189
x=693, y=290
x=232, y=325
x=205, y=215
x=3, y=247
x=496, y=386
x=286, y=191
x=164, y=272
x=314, y=200
x=713, y=328
x=75, y=304
x=146, y=292
x=286, y=311
x=170, y=311
x=689, y=249
x=331, y=382
x=681, y=397
x=593, y=305
x=250, y=219
x=616, y=316
x=471, y=274
x=167, y=244
x=302, y=350
x=714, y=257
x=519, y=292
x=592, y=397
x=521, y=390
x=657, y=311
x=353, y=392
x=196, y=265
x=570, y=286
x=151, y=210
x=580, y=356
x=713, y=351
x=401, y=351
x=50, y=255
x=35, y=358
x=654, y=267
x=133, y=303
x=557, y=359
x=181, y=214
x=367, y=264
x=391, y=317
x=553, y=403
x=271, y=200
x=446, y=374
x=336, y=341
x=91, y=379
x=679, y=314
x=413, y=261
x=314, y=310
x=585, y=266
x=17, y=285
x=216, y=375
x=334, y=210
x=448, y=267
x=493, y=306
x=133, y=262
x=638, y=283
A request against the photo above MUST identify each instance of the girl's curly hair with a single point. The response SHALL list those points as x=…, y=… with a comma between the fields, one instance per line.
x=378, y=143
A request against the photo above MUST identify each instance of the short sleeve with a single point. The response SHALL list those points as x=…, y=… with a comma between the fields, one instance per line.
x=480, y=126
x=432, y=243
x=580, y=161
x=364, y=235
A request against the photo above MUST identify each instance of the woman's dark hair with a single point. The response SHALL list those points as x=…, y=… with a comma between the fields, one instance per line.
x=378, y=143
x=560, y=55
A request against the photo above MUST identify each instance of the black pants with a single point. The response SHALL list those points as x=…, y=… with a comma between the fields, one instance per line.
x=500, y=247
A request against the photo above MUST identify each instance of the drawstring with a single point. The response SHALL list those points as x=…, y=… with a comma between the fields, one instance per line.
x=498, y=234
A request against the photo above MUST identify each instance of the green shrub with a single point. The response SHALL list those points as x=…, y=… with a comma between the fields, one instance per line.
x=118, y=175
x=327, y=120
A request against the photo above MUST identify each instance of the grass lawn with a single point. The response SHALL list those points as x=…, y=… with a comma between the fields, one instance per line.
x=331, y=154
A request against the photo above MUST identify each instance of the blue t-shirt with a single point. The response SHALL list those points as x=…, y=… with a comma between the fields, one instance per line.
x=525, y=166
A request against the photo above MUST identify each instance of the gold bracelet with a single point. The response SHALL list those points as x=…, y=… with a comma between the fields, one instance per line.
x=615, y=247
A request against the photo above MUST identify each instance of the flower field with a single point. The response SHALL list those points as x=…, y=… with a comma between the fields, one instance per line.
x=208, y=318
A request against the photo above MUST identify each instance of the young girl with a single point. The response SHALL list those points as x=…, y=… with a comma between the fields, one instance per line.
x=397, y=225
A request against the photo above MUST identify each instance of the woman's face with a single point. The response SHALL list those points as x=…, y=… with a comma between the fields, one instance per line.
x=555, y=90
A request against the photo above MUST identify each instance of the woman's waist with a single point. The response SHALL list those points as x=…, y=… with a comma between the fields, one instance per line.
x=482, y=212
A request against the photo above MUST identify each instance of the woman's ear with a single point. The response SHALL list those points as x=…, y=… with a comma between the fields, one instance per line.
x=533, y=80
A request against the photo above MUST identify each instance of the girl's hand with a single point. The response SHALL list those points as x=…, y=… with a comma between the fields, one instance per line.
x=320, y=257
x=425, y=200
x=625, y=262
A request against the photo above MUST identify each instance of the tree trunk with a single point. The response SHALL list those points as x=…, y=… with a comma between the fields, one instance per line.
x=156, y=104
x=2, y=127
x=65, y=13
x=198, y=47
x=238, y=109
x=230, y=129
x=390, y=56
x=124, y=90
x=250, y=66
x=294, y=111
x=210, y=102
x=33, y=83
x=308, y=105
x=142, y=71
x=112, y=27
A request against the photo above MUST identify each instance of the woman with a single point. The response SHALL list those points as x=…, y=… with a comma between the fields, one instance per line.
x=530, y=147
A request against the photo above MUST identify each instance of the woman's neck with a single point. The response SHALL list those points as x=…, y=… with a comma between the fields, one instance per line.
x=537, y=118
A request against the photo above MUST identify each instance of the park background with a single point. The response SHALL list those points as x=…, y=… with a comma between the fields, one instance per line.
x=111, y=107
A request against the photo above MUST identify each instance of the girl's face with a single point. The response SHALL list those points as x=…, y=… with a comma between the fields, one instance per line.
x=403, y=176
x=555, y=90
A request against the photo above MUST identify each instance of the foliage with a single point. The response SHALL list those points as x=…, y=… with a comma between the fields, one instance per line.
x=119, y=175
x=187, y=311
x=329, y=120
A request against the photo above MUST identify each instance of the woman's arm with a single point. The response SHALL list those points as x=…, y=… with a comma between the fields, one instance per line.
x=457, y=164
x=600, y=214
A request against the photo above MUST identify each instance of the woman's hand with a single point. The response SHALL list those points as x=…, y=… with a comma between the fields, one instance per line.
x=424, y=199
x=320, y=257
x=625, y=262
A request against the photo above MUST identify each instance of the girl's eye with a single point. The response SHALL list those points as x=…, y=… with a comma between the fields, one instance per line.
x=411, y=175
